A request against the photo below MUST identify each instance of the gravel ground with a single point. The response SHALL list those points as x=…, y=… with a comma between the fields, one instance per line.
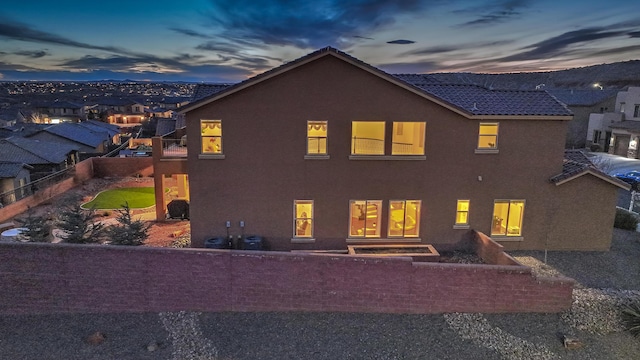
x=606, y=281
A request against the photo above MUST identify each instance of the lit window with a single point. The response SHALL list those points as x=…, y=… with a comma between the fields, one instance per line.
x=303, y=218
x=211, y=133
x=488, y=136
x=365, y=218
x=316, y=137
x=507, y=217
x=462, y=212
x=408, y=138
x=404, y=218
x=367, y=138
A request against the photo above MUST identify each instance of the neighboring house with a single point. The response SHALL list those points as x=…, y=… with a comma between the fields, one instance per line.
x=13, y=177
x=620, y=129
x=90, y=142
x=56, y=112
x=44, y=157
x=113, y=131
x=327, y=150
x=121, y=112
x=582, y=103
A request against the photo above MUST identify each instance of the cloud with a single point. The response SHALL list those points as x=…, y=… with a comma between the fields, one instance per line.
x=12, y=30
x=442, y=49
x=32, y=54
x=305, y=24
x=401, y=42
x=558, y=45
x=634, y=34
x=494, y=12
x=189, y=32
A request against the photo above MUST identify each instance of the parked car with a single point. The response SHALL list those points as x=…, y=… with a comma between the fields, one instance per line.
x=632, y=177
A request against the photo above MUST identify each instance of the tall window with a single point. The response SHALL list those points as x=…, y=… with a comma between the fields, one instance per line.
x=303, y=218
x=404, y=218
x=636, y=111
x=488, y=136
x=316, y=137
x=367, y=138
x=507, y=217
x=462, y=212
x=408, y=138
x=365, y=216
x=211, y=134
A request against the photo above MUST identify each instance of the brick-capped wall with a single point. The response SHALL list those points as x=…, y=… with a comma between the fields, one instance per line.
x=55, y=278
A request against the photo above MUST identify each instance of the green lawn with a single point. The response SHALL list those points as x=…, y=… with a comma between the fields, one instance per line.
x=138, y=197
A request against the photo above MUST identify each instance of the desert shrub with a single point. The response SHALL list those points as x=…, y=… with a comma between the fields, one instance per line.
x=128, y=231
x=631, y=318
x=595, y=147
x=182, y=242
x=78, y=224
x=38, y=228
x=625, y=220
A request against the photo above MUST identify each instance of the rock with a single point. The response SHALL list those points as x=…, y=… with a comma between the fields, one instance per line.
x=96, y=338
x=153, y=346
x=571, y=343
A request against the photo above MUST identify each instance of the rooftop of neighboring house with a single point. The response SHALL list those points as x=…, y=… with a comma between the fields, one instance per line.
x=79, y=133
x=34, y=152
x=10, y=170
x=100, y=126
x=23, y=129
x=110, y=101
x=572, y=97
x=165, y=126
x=576, y=163
x=469, y=99
x=57, y=105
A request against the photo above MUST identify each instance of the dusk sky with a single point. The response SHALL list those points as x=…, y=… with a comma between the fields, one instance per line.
x=230, y=40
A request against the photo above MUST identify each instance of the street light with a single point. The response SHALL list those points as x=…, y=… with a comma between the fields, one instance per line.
x=597, y=85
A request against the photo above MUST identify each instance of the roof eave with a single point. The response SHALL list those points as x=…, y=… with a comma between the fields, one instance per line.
x=604, y=177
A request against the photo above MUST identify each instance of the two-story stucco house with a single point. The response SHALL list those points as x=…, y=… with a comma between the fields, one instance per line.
x=620, y=129
x=327, y=150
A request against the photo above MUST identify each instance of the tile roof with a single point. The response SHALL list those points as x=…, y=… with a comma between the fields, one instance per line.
x=627, y=125
x=78, y=133
x=205, y=90
x=576, y=163
x=165, y=126
x=573, y=97
x=470, y=99
x=478, y=100
x=58, y=105
x=96, y=127
x=10, y=170
x=33, y=152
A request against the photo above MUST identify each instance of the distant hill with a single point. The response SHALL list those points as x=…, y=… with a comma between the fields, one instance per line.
x=610, y=76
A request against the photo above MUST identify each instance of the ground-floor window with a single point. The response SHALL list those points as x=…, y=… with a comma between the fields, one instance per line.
x=507, y=217
x=404, y=218
x=462, y=212
x=303, y=218
x=365, y=216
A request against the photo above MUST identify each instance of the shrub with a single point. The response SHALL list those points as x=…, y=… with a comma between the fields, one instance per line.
x=631, y=318
x=78, y=224
x=625, y=220
x=182, y=242
x=128, y=231
x=38, y=228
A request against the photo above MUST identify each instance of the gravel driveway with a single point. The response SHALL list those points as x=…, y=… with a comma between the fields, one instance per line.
x=606, y=280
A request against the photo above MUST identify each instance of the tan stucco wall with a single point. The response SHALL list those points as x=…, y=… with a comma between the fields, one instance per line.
x=264, y=170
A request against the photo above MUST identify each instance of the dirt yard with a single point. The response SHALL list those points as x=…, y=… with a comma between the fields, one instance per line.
x=161, y=234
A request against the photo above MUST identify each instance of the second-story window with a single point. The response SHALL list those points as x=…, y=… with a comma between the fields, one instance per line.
x=488, y=136
x=408, y=138
x=367, y=138
x=636, y=111
x=211, y=135
x=317, y=138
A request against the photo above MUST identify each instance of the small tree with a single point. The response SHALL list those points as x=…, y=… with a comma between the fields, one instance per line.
x=128, y=231
x=38, y=228
x=78, y=224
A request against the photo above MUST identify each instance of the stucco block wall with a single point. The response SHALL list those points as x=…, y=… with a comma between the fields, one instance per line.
x=65, y=278
x=264, y=170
